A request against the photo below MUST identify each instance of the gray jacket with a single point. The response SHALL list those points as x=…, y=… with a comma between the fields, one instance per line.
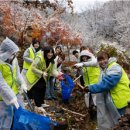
x=107, y=114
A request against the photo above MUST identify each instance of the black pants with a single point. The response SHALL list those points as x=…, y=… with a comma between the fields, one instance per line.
x=82, y=81
x=37, y=92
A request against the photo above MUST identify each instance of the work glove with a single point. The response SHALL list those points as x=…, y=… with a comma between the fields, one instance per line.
x=78, y=65
x=45, y=74
x=14, y=102
x=23, y=88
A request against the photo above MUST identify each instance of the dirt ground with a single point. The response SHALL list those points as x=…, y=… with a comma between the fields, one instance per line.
x=73, y=113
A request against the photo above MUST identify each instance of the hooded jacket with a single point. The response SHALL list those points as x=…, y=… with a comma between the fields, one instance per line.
x=9, y=73
x=115, y=80
x=90, y=74
x=107, y=114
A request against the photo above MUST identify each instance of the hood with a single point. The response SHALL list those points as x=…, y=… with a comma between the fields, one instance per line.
x=112, y=59
x=86, y=53
x=7, y=48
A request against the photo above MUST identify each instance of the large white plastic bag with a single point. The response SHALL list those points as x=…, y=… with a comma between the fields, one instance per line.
x=89, y=100
x=86, y=96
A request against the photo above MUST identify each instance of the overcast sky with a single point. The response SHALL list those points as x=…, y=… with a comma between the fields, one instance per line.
x=80, y=5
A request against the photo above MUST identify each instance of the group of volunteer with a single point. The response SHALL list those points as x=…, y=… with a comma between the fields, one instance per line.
x=38, y=67
x=106, y=80
x=102, y=76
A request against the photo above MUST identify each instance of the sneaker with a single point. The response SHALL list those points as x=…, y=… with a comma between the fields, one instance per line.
x=45, y=105
x=41, y=110
x=25, y=103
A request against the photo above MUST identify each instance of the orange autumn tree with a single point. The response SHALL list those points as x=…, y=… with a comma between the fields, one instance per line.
x=16, y=18
x=56, y=32
x=59, y=33
x=6, y=23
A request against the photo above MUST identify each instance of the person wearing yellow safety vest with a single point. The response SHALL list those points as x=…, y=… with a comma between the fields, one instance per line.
x=11, y=82
x=90, y=76
x=29, y=55
x=113, y=91
x=91, y=73
x=39, y=74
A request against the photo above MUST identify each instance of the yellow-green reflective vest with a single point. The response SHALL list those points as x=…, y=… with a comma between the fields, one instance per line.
x=120, y=93
x=32, y=77
x=26, y=65
x=91, y=75
x=9, y=76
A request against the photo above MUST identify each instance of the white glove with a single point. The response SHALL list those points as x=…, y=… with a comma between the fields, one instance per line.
x=14, y=102
x=24, y=88
x=45, y=74
x=79, y=65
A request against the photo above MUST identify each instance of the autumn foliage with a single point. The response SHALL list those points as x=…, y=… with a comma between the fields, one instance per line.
x=60, y=33
x=15, y=18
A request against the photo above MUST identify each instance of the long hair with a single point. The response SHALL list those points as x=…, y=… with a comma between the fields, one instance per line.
x=46, y=50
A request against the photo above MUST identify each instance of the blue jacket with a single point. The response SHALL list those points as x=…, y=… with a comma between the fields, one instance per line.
x=108, y=79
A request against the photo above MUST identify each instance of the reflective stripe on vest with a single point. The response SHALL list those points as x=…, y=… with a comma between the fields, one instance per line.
x=120, y=93
x=26, y=65
x=32, y=77
x=9, y=76
x=91, y=75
